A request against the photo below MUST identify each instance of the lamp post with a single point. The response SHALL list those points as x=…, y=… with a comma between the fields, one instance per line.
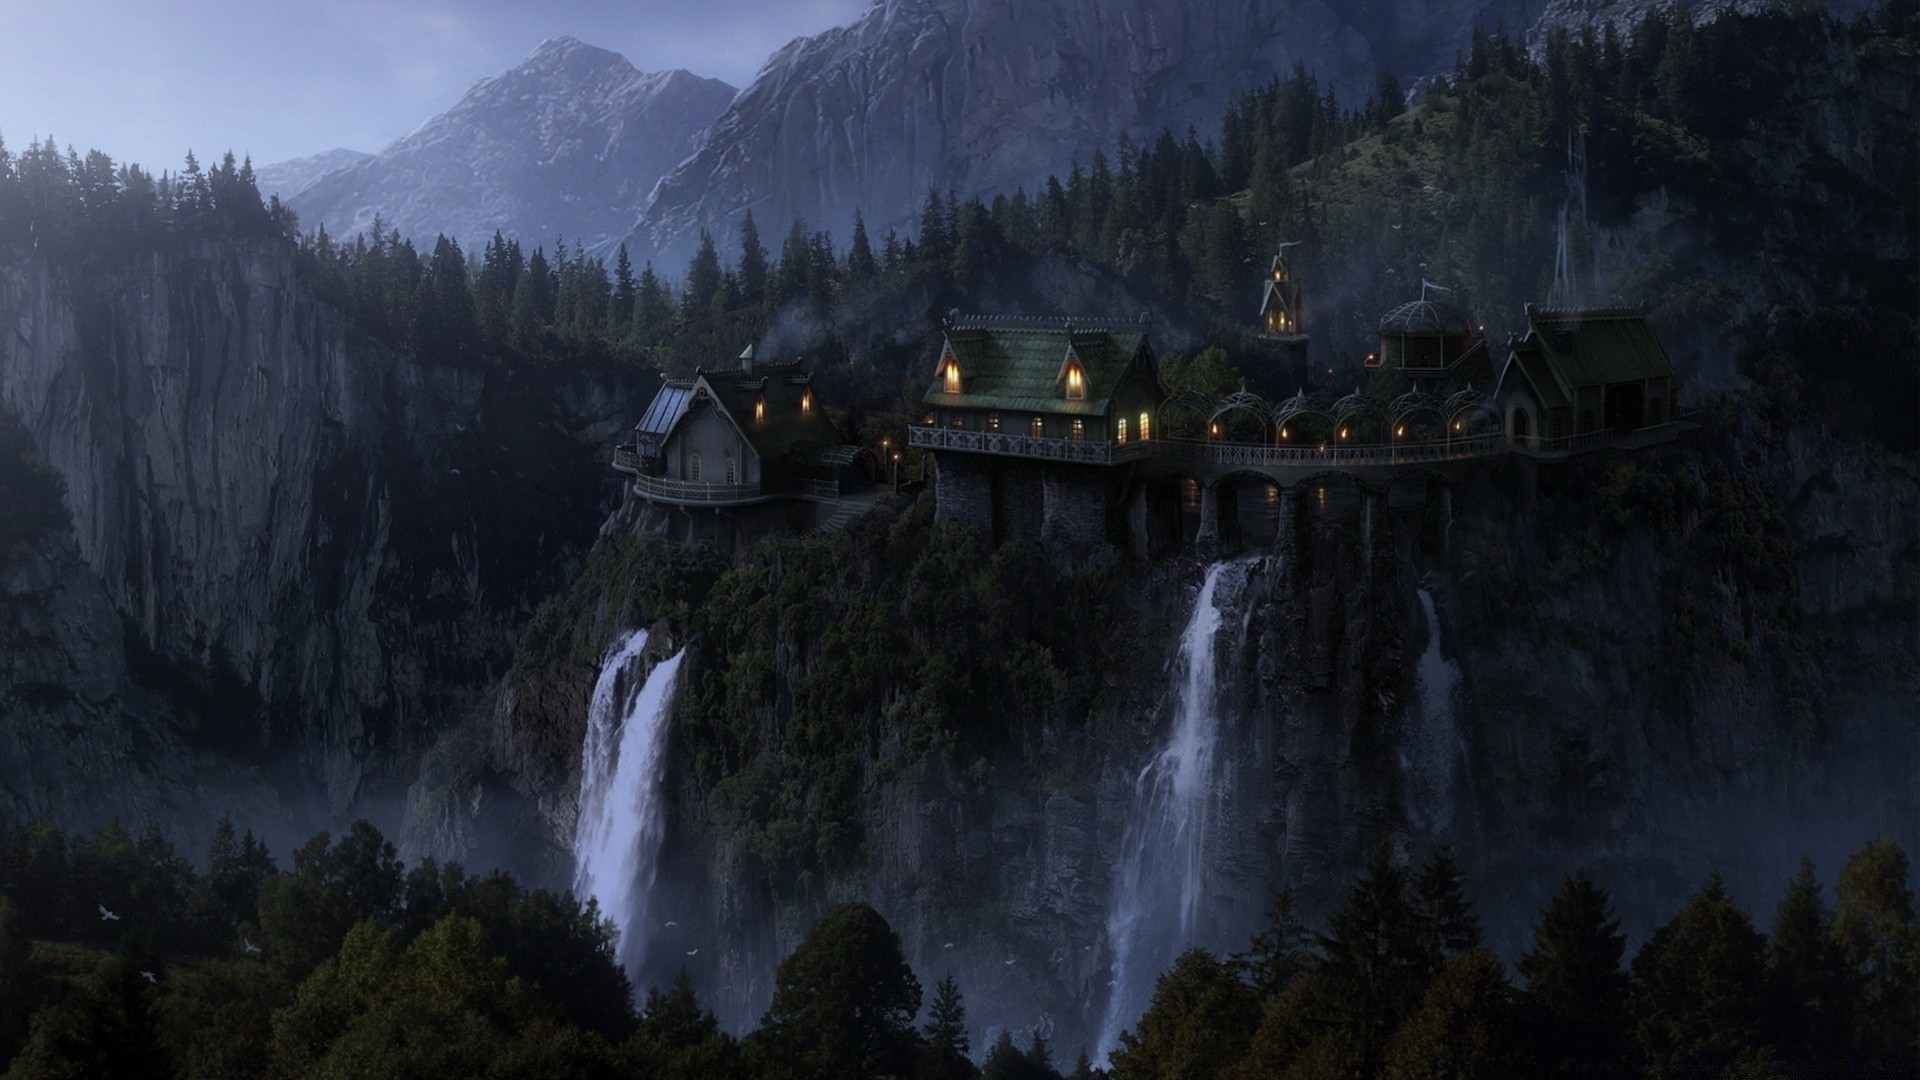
x=896, y=472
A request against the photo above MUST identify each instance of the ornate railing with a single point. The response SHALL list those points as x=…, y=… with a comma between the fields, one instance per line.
x=626, y=461
x=1009, y=445
x=1260, y=455
x=821, y=489
x=694, y=491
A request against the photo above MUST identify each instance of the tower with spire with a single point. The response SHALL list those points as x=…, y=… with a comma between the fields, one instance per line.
x=1282, y=321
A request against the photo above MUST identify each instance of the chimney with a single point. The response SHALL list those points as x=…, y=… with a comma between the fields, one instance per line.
x=746, y=359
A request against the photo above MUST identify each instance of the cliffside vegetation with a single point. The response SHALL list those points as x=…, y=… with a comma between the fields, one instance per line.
x=118, y=960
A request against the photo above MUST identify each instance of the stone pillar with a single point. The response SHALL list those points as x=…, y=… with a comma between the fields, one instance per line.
x=1208, y=542
x=1446, y=522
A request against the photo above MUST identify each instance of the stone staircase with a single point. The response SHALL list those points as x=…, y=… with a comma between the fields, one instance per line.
x=844, y=511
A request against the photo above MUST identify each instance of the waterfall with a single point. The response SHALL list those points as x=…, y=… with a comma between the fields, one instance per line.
x=1566, y=290
x=1432, y=747
x=1159, y=885
x=616, y=843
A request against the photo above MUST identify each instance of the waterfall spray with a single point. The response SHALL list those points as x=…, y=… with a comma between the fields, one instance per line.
x=616, y=842
x=1432, y=748
x=1160, y=882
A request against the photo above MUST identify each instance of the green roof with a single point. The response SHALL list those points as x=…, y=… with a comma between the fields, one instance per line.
x=1597, y=348
x=785, y=426
x=1020, y=368
x=1526, y=357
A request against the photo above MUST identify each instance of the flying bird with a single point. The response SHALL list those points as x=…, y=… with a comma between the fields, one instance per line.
x=107, y=916
x=149, y=976
x=249, y=946
x=948, y=945
x=1008, y=960
x=671, y=924
x=693, y=952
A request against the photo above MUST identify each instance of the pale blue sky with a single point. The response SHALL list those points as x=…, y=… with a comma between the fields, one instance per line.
x=145, y=80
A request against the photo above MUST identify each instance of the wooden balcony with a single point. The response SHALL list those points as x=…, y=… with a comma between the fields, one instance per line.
x=1026, y=446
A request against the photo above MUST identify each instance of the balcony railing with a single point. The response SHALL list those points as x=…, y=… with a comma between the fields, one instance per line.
x=626, y=461
x=1261, y=455
x=693, y=491
x=1026, y=446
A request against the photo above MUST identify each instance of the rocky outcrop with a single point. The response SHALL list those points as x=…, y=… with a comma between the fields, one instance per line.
x=348, y=536
x=565, y=146
x=986, y=95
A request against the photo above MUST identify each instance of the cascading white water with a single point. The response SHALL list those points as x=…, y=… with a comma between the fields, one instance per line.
x=1432, y=747
x=1159, y=884
x=616, y=843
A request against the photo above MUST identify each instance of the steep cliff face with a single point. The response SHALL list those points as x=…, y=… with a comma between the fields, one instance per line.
x=347, y=535
x=566, y=145
x=986, y=95
x=1650, y=668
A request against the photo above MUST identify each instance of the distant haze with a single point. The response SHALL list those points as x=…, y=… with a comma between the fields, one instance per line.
x=146, y=81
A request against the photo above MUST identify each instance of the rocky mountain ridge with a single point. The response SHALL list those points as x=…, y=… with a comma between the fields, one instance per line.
x=564, y=145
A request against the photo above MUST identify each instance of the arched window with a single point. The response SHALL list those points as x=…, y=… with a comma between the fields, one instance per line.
x=760, y=407
x=693, y=468
x=1038, y=429
x=993, y=422
x=1076, y=382
x=1144, y=422
x=1120, y=430
x=1079, y=430
x=732, y=473
x=806, y=402
x=952, y=376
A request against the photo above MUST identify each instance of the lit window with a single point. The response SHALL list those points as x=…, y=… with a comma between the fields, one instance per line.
x=1144, y=426
x=1076, y=382
x=693, y=466
x=806, y=401
x=993, y=422
x=731, y=473
x=1079, y=430
x=953, y=377
x=959, y=421
x=1038, y=429
x=1120, y=430
x=760, y=407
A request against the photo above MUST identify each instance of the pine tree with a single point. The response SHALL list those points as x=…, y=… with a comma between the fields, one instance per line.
x=625, y=292
x=753, y=262
x=1371, y=973
x=844, y=1000
x=1280, y=952
x=1576, y=989
x=946, y=1027
x=861, y=266
x=1700, y=987
x=1443, y=918
x=652, y=310
x=1808, y=971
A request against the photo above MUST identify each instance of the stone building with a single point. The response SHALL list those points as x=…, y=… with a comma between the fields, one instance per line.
x=1027, y=420
x=1585, y=379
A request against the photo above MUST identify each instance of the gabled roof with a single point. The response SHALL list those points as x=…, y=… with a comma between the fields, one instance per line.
x=785, y=425
x=785, y=428
x=1425, y=317
x=668, y=406
x=1526, y=362
x=1021, y=367
x=1597, y=347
